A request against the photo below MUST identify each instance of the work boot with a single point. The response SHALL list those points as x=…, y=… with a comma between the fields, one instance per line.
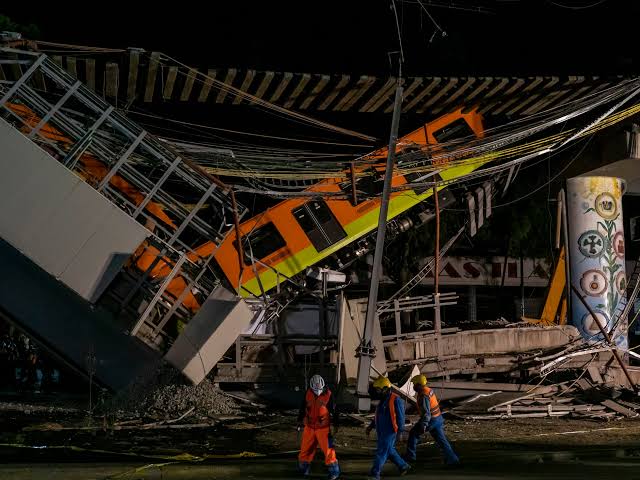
x=410, y=460
x=405, y=470
x=334, y=471
x=304, y=469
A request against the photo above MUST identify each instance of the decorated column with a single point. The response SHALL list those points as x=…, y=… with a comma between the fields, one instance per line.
x=596, y=245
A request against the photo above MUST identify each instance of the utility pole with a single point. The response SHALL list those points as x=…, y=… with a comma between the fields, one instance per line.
x=366, y=350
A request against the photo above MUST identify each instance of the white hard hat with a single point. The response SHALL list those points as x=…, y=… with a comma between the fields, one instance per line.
x=316, y=384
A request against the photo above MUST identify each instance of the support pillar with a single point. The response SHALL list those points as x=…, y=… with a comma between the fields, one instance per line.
x=596, y=241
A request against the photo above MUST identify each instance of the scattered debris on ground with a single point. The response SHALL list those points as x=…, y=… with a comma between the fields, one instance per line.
x=168, y=395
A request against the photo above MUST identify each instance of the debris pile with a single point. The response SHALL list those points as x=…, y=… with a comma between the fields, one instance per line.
x=581, y=398
x=205, y=398
x=168, y=395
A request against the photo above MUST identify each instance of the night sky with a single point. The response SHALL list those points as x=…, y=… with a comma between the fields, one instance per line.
x=486, y=37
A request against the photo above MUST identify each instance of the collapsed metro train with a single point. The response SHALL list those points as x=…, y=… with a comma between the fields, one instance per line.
x=284, y=240
x=298, y=233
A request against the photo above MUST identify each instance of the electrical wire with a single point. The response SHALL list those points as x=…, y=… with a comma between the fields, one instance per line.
x=577, y=7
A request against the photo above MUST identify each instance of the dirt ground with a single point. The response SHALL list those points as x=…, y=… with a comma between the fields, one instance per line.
x=58, y=445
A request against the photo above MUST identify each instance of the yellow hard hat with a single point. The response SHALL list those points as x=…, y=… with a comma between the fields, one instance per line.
x=419, y=380
x=382, y=382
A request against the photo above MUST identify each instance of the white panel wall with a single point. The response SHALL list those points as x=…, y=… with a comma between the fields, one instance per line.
x=57, y=220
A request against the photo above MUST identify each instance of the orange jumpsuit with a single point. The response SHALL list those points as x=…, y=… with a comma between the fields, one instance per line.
x=317, y=412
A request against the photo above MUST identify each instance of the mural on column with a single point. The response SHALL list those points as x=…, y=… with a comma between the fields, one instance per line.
x=596, y=240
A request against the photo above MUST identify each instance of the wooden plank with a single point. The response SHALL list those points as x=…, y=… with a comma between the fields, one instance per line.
x=491, y=386
x=435, y=81
x=296, y=92
x=364, y=83
x=453, y=81
x=516, y=415
x=584, y=384
x=152, y=71
x=111, y=79
x=286, y=78
x=577, y=93
x=335, y=92
x=633, y=406
x=172, y=74
x=231, y=74
x=594, y=373
x=188, y=84
x=515, y=87
x=90, y=73
x=322, y=82
x=385, y=96
x=390, y=83
x=543, y=102
x=71, y=67
x=417, y=81
x=480, y=88
x=501, y=84
x=565, y=89
x=470, y=81
x=505, y=105
x=132, y=83
x=554, y=408
x=57, y=59
x=526, y=96
x=616, y=407
x=248, y=78
x=206, y=86
x=542, y=95
x=531, y=97
x=266, y=81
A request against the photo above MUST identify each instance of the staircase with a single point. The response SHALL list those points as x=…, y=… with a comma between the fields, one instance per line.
x=91, y=191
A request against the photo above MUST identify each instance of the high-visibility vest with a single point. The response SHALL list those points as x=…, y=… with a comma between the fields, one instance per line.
x=317, y=409
x=392, y=412
x=434, y=406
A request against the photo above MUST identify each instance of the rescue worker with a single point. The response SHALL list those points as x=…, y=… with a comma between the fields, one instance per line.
x=317, y=412
x=430, y=421
x=389, y=424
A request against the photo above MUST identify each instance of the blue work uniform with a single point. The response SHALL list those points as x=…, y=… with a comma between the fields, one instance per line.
x=430, y=420
x=389, y=423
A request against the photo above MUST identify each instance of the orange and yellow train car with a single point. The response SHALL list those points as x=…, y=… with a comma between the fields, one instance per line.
x=298, y=233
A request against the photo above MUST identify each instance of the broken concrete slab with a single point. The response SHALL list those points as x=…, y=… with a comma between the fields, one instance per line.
x=209, y=334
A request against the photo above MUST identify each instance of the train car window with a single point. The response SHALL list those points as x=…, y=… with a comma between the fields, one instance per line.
x=265, y=240
x=367, y=186
x=422, y=177
x=457, y=129
x=319, y=224
x=414, y=177
x=371, y=184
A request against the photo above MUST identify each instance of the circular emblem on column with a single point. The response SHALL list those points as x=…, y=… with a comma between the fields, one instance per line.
x=618, y=244
x=591, y=244
x=594, y=283
x=590, y=325
x=606, y=206
x=621, y=283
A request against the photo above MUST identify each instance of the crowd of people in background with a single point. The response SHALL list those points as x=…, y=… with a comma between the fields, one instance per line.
x=23, y=367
